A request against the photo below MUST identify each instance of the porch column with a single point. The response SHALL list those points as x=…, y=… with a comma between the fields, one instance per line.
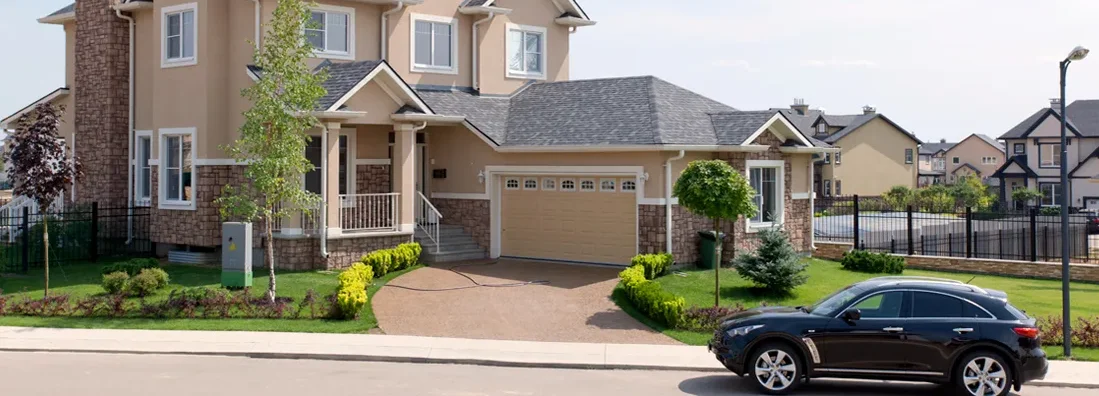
x=332, y=178
x=404, y=174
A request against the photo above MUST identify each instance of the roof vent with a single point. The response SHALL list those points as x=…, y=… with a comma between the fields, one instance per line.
x=868, y=109
x=799, y=106
x=942, y=140
x=1055, y=103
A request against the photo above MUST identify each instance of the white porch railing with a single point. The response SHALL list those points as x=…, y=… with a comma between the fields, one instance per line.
x=370, y=212
x=309, y=222
x=428, y=219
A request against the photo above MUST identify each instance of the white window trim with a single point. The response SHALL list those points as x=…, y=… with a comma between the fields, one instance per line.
x=162, y=172
x=507, y=52
x=780, y=177
x=614, y=183
x=138, y=199
x=580, y=185
x=530, y=179
x=352, y=164
x=549, y=179
x=518, y=184
x=622, y=185
x=164, y=61
x=454, y=33
x=326, y=54
x=561, y=184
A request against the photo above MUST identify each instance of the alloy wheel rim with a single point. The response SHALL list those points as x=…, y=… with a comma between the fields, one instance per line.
x=984, y=376
x=775, y=370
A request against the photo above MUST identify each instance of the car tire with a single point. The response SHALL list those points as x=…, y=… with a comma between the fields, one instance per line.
x=982, y=374
x=775, y=368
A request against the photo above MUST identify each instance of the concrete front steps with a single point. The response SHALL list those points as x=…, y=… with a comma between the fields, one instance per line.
x=454, y=245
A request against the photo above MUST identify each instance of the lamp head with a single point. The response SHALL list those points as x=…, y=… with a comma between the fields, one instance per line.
x=1078, y=53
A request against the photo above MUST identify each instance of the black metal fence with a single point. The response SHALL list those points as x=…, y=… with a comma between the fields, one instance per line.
x=1007, y=234
x=86, y=233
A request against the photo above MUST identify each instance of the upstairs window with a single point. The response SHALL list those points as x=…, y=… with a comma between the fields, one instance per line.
x=956, y=160
x=526, y=50
x=179, y=32
x=329, y=31
x=1019, y=148
x=434, y=44
x=1049, y=155
x=822, y=128
x=839, y=158
x=908, y=156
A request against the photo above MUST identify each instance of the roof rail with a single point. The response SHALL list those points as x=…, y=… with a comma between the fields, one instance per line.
x=918, y=278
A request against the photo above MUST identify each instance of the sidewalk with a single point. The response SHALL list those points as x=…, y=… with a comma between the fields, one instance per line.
x=361, y=347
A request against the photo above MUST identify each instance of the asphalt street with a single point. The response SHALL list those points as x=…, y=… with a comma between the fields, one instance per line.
x=42, y=373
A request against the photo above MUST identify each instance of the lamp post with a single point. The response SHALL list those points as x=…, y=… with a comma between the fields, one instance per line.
x=1077, y=53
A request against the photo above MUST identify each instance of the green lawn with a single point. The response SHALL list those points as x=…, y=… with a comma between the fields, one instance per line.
x=1036, y=297
x=83, y=280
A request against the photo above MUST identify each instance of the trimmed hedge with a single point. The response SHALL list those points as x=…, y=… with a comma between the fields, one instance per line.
x=654, y=265
x=131, y=267
x=874, y=263
x=651, y=299
x=351, y=293
x=115, y=282
x=388, y=260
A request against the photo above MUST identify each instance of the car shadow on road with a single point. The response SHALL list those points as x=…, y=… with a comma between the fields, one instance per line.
x=723, y=385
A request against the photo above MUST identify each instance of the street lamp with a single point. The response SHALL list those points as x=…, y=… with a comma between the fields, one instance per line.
x=1077, y=53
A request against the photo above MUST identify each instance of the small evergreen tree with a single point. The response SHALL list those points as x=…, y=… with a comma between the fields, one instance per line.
x=898, y=197
x=775, y=265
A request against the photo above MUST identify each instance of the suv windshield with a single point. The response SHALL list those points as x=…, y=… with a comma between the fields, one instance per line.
x=836, y=300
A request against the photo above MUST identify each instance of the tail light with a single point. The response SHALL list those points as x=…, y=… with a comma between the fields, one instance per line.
x=1026, y=332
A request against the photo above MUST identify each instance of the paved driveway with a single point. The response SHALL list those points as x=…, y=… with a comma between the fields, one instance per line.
x=574, y=307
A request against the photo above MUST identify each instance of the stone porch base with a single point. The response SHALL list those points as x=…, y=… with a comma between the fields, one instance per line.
x=301, y=253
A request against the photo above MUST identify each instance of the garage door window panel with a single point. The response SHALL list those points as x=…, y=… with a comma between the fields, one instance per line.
x=629, y=185
x=587, y=185
x=549, y=184
x=607, y=185
x=511, y=183
x=568, y=185
x=530, y=183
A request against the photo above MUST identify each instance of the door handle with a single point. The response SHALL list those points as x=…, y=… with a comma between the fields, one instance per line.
x=893, y=329
x=963, y=330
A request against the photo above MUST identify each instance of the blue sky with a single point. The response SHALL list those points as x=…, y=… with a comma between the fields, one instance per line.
x=940, y=68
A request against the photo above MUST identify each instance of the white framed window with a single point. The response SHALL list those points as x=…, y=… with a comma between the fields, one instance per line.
x=314, y=151
x=331, y=32
x=434, y=44
x=179, y=35
x=839, y=157
x=511, y=183
x=822, y=128
x=608, y=185
x=1051, y=194
x=549, y=184
x=530, y=183
x=177, y=170
x=143, y=171
x=908, y=156
x=828, y=188
x=839, y=186
x=629, y=185
x=1049, y=155
x=955, y=160
x=526, y=52
x=766, y=178
x=568, y=185
x=1019, y=148
x=587, y=185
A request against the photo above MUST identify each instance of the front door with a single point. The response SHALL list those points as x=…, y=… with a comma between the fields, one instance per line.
x=939, y=327
x=874, y=342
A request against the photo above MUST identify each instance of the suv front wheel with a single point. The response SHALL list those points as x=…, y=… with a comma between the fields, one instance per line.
x=776, y=369
x=983, y=374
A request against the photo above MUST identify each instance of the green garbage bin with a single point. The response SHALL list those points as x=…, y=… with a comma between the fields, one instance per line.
x=706, y=257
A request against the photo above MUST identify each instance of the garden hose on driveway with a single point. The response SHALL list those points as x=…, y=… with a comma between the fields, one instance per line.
x=475, y=284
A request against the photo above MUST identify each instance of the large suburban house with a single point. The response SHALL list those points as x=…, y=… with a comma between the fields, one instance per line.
x=977, y=155
x=451, y=122
x=874, y=152
x=1034, y=154
x=933, y=163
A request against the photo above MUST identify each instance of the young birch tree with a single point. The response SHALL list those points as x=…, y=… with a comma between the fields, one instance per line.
x=41, y=168
x=274, y=136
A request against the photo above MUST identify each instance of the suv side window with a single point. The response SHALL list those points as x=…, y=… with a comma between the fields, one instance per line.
x=881, y=306
x=933, y=305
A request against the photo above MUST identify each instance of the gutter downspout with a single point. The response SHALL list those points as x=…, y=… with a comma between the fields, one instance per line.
x=812, y=207
x=259, y=14
x=130, y=141
x=668, y=199
x=324, y=192
x=476, y=80
x=385, y=28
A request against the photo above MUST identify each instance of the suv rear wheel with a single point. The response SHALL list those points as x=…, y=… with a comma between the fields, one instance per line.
x=776, y=369
x=983, y=374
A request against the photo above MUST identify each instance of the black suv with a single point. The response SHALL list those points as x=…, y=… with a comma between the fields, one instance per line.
x=889, y=328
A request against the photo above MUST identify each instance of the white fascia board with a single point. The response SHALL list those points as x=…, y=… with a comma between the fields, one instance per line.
x=622, y=148
x=335, y=115
x=56, y=94
x=430, y=118
x=59, y=19
x=574, y=21
x=387, y=70
x=796, y=150
x=133, y=6
x=484, y=10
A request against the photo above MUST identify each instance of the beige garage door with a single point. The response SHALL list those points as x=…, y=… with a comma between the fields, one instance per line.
x=586, y=219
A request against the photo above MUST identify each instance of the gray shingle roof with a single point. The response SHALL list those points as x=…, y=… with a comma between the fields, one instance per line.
x=803, y=122
x=487, y=114
x=932, y=148
x=1083, y=117
x=475, y=3
x=65, y=10
x=990, y=141
x=859, y=121
x=342, y=77
x=840, y=120
x=734, y=128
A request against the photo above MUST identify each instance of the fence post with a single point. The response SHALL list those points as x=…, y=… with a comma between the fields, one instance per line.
x=911, y=239
x=892, y=245
x=968, y=232
x=1045, y=243
x=1033, y=234
x=94, y=253
x=1000, y=242
x=950, y=244
x=26, y=239
x=855, y=207
x=923, y=246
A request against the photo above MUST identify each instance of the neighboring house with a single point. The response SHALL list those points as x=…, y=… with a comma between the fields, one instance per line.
x=875, y=153
x=1034, y=151
x=455, y=110
x=977, y=155
x=933, y=163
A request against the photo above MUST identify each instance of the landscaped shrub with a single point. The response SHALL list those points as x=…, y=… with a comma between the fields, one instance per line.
x=115, y=282
x=144, y=284
x=131, y=267
x=708, y=319
x=388, y=260
x=651, y=299
x=775, y=266
x=201, y=302
x=654, y=264
x=874, y=263
x=1085, y=332
x=351, y=292
x=160, y=275
x=1050, y=211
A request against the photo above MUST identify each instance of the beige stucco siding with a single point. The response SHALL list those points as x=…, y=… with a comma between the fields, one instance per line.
x=146, y=64
x=217, y=131
x=799, y=177
x=493, y=56
x=972, y=150
x=400, y=44
x=180, y=94
x=873, y=160
x=377, y=104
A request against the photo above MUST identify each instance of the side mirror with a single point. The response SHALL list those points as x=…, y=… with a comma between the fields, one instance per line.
x=852, y=314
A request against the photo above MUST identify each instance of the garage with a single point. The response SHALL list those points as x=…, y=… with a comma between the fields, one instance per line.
x=588, y=219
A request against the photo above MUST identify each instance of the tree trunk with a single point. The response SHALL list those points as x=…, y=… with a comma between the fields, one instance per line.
x=46, y=253
x=717, y=263
x=270, y=257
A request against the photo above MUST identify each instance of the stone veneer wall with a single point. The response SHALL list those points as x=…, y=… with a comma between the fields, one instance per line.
x=372, y=179
x=200, y=227
x=101, y=98
x=1026, y=269
x=831, y=250
x=472, y=214
x=302, y=253
x=685, y=228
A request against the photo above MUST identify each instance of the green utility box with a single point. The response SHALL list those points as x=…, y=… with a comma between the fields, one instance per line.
x=706, y=246
x=236, y=255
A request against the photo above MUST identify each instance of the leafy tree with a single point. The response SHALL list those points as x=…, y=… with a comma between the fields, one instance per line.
x=972, y=192
x=898, y=197
x=712, y=188
x=935, y=198
x=775, y=265
x=274, y=135
x=1027, y=195
x=41, y=168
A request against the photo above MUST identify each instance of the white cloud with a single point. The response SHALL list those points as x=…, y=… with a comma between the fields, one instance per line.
x=840, y=63
x=734, y=64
